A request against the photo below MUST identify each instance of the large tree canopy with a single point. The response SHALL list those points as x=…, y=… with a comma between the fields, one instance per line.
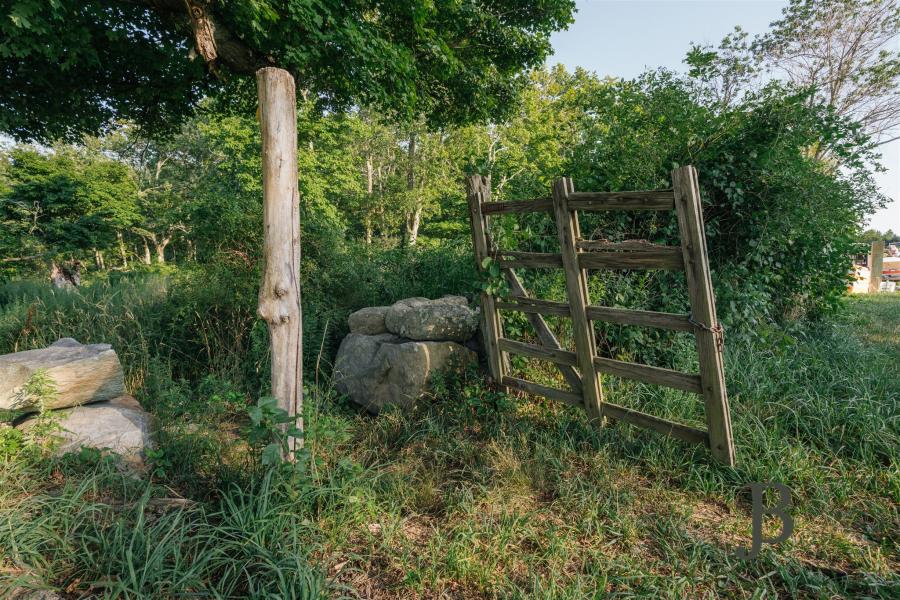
x=68, y=67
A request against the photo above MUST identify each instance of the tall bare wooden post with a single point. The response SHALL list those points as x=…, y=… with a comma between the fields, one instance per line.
x=709, y=334
x=576, y=288
x=478, y=192
x=876, y=266
x=279, y=295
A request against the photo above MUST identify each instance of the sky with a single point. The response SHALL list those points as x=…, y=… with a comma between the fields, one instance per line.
x=621, y=38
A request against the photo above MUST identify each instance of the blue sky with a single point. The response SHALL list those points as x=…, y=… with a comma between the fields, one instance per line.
x=621, y=38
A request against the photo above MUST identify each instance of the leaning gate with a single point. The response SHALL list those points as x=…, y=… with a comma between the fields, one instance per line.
x=581, y=369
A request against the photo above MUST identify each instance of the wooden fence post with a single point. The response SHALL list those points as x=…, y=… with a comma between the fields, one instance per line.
x=576, y=288
x=876, y=266
x=708, y=332
x=279, y=294
x=478, y=192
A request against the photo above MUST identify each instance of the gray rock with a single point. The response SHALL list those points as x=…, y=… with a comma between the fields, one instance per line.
x=380, y=370
x=120, y=425
x=80, y=373
x=447, y=318
x=369, y=321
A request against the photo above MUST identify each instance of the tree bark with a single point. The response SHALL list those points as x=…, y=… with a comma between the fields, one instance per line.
x=412, y=226
x=279, y=295
x=370, y=189
x=147, y=260
x=122, y=251
x=160, y=248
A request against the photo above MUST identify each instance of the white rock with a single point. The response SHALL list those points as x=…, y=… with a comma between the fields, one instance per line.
x=120, y=425
x=447, y=318
x=380, y=370
x=81, y=373
x=369, y=321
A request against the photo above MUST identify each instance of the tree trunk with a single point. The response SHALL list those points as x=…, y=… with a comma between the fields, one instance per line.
x=147, y=260
x=66, y=275
x=279, y=295
x=122, y=252
x=160, y=248
x=412, y=226
x=98, y=259
x=410, y=186
x=370, y=188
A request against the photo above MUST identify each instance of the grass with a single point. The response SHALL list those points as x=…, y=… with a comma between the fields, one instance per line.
x=476, y=494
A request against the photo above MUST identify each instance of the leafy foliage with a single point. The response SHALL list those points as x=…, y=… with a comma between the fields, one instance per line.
x=453, y=61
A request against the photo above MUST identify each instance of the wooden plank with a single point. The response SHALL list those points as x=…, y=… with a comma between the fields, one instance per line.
x=537, y=306
x=640, y=200
x=532, y=260
x=576, y=289
x=543, y=390
x=545, y=335
x=623, y=246
x=703, y=308
x=479, y=188
x=648, y=374
x=517, y=206
x=669, y=259
x=676, y=430
x=876, y=266
x=641, y=318
x=562, y=357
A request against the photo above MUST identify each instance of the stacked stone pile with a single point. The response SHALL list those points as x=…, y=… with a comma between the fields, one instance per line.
x=87, y=397
x=392, y=352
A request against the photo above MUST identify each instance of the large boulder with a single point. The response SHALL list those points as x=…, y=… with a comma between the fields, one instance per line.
x=119, y=425
x=385, y=369
x=447, y=318
x=368, y=321
x=81, y=374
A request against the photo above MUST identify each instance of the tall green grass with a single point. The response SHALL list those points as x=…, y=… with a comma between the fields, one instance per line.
x=472, y=494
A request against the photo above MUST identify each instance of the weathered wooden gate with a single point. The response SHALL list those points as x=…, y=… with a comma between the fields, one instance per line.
x=581, y=368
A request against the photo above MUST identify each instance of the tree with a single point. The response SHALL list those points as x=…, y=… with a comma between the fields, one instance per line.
x=846, y=51
x=64, y=204
x=128, y=59
x=843, y=50
x=447, y=60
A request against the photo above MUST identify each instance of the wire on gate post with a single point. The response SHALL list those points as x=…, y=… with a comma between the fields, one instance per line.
x=717, y=330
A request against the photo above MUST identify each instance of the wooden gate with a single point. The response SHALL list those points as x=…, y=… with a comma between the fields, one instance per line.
x=581, y=369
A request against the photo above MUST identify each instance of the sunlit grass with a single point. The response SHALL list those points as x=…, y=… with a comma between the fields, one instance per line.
x=479, y=495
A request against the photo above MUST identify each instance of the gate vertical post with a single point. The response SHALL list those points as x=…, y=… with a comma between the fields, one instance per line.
x=876, y=266
x=576, y=288
x=707, y=331
x=478, y=189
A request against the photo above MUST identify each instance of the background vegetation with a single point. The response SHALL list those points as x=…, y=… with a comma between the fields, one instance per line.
x=474, y=493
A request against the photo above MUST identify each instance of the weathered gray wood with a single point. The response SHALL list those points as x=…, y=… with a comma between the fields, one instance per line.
x=279, y=295
x=703, y=309
x=669, y=259
x=545, y=335
x=562, y=357
x=479, y=190
x=641, y=318
x=79, y=373
x=537, y=306
x=623, y=246
x=876, y=266
x=642, y=200
x=648, y=374
x=676, y=430
x=576, y=288
x=543, y=390
x=530, y=260
x=518, y=206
